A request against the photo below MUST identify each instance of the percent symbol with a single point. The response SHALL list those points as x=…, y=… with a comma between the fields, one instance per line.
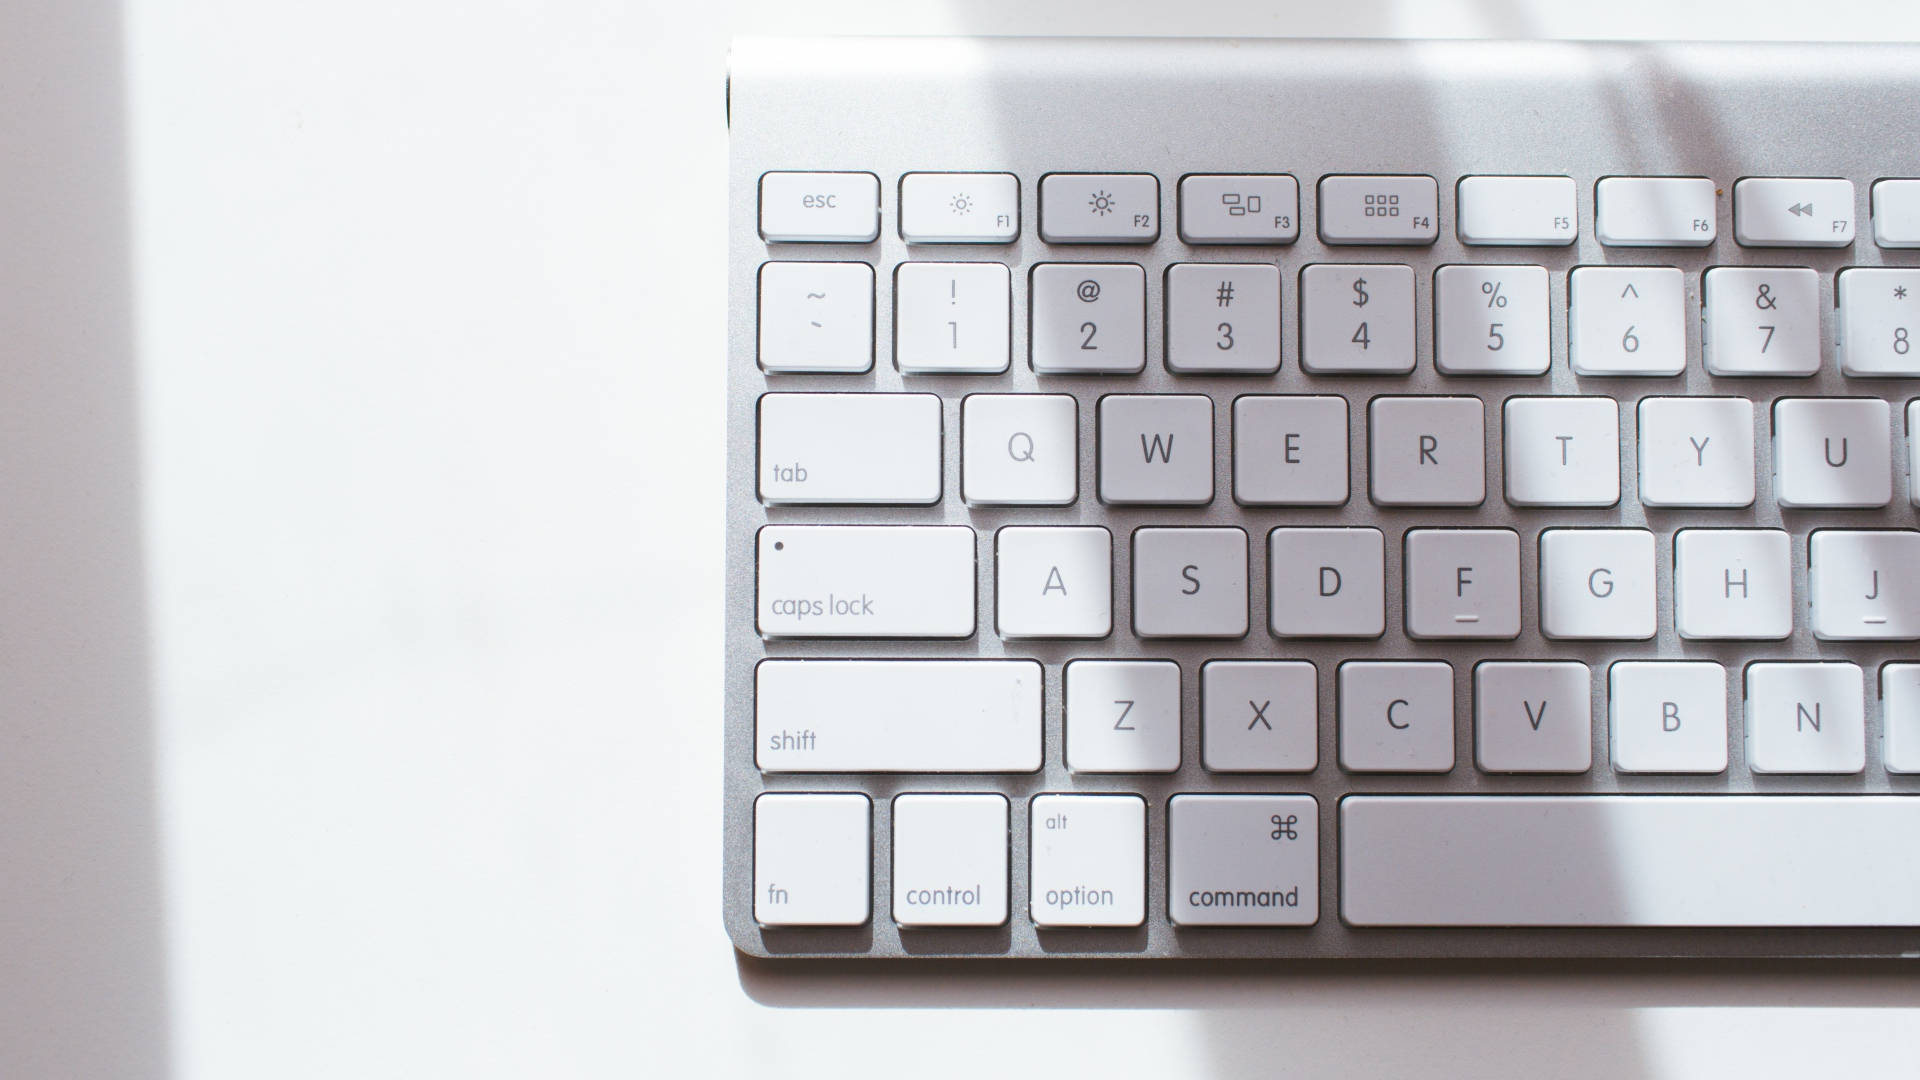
x=1494, y=296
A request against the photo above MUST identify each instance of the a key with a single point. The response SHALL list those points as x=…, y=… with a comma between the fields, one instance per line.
x=1019, y=449
x=950, y=860
x=1900, y=717
x=1863, y=585
x=1792, y=211
x=1896, y=213
x=1089, y=864
x=1463, y=583
x=845, y=716
x=1053, y=581
x=1379, y=210
x=1123, y=716
x=816, y=317
x=1099, y=208
x=1427, y=451
x=1806, y=718
x=1327, y=582
x=1696, y=451
x=1289, y=451
x=1223, y=318
x=1531, y=211
x=1356, y=319
x=959, y=208
x=849, y=448
x=1243, y=860
x=1156, y=448
x=1491, y=320
x=1239, y=209
x=1259, y=716
x=952, y=318
x=1879, y=316
x=1762, y=321
x=1667, y=716
x=1532, y=717
x=1597, y=584
x=1832, y=452
x=812, y=859
x=819, y=208
x=1732, y=584
x=1562, y=451
x=1088, y=317
x=1627, y=320
x=865, y=581
x=1655, y=211
x=1396, y=716
x=1190, y=582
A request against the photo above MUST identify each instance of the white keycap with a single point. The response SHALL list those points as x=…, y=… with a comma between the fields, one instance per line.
x=866, y=581
x=1832, y=452
x=1053, y=581
x=1156, y=448
x=1190, y=582
x=1099, y=208
x=1655, y=211
x=1223, y=318
x=1259, y=716
x=1913, y=452
x=1900, y=717
x=816, y=317
x=1532, y=211
x=1862, y=584
x=952, y=317
x=1396, y=716
x=1563, y=451
x=1328, y=582
x=850, y=448
x=1491, y=320
x=1356, y=319
x=1427, y=451
x=1696, y=451
x=1732, y=584
x=1239, y=209
x=1463, y=583
x=1533, y=717
x=1806, y=718
x=950, y=860
x=1088, y=317
x=1896, y=213
x=1243, y=860
x=1879, y=316
x=846, y=716
x=1762, y=321
x=1089, y=865
x=819, y=208
x=1668, y=717
x=1019, y=449
x=1627, y=320
x=1792, y=211
x=1123, y=716
x=1289, y=451
x=812, y=859
x=959, y=208
x=1379, y=210
x=1597, y=583
x=1628, y=860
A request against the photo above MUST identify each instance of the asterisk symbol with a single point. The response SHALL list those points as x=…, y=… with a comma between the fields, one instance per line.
x=1899, y=292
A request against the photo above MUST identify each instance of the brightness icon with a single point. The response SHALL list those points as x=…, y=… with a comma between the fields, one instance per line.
x=961, y=203
x=1102, y=203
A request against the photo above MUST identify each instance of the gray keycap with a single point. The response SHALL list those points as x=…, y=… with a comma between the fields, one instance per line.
x=1428, y=451
x=1290, y=451
x=1156, y=448
x=1190, y=582
x=1089, y=317
x=1463, y=583
x=1223, y=317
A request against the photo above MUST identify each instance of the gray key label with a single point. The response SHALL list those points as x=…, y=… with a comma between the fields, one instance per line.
x=1020, y=446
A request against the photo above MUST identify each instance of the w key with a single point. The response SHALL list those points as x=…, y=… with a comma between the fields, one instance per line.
x=1156, y=448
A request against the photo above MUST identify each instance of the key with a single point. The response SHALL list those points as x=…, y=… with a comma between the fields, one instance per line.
x=1243, y=860
x=1532, y=717
x=1396, y=716
x=1531, y=211
x=1806, y=718
x=1913, y=452
x=952, y=318
x=1356, y=319
x=1597, y=584
x=959, y=208
x=1089, y=860
x=1289, y=451
x=1123, y=716
x=1834, y=452
x=1379, y=210
x=821, y=449
x=1732, y=584
x=1628, y=860
x=1792, y=211
x=1862, y=584
x=847, y=716
x=1463, y=583
x=1627, y=320
x=1239, y=209
x=1099, y=208
x=1879, y=314
x=1896, y=213
x=1654, y=211
x=1190, y=582
x=1053, y=581
x=1019, y=449
x=950, y=860
x=1762, y=321
x=1696, y=451
x=1259, y=716
x=1563, y=451
x=812, y=859
x=1223, y=318
x=1327, y=582
x=1490, y=320
x=816, y=317
x=865, y=581
x=1156, y=448
x=1668, y=716
x=1900, y=716
x=1089, y=317
x=819, y=208
x=1427, y=451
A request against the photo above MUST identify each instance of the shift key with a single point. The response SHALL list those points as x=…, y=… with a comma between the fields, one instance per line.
x=866, y=581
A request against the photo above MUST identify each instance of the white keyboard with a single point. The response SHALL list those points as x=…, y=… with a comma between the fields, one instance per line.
x=1323, y=499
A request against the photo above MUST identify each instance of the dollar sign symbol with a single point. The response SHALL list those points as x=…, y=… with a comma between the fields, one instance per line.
x=1360, y=297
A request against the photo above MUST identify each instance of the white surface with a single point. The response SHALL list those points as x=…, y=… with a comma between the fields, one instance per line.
x=1019, y=449
x=1562, y=451
x=1528, y=211
x=1832, y=452
x=959, y=208
x=1259, y=716
x=1491, y=320
x=1627, y=320
x=1655, y=211
x=819, y=207
x=816, y=316
x=850, y=448
x=1761, y=320
x=1053, y=581
x=1123, y=716
x=1532, y=716
x=1696, y=451
x=812, y=859
x=1356, y=318
x=1089, y=860
x=1239, y=209
x=1597, y=583
x=1862, y=584
x=1879, y=316
x=1791, y=211
x=1668, y=716
x=1088, y=327
x=851, y=581
x=950, y=860
x=842, y=716
x=422, y=772
x=1290, y=449
x=952, y=317
x=1243, y=860
x=1806, y=718
x=1733, y=583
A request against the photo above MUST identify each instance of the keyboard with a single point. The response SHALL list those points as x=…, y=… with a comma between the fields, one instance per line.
x=1322, y=499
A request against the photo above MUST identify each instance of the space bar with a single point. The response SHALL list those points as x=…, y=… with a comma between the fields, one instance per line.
x=1630, y=860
